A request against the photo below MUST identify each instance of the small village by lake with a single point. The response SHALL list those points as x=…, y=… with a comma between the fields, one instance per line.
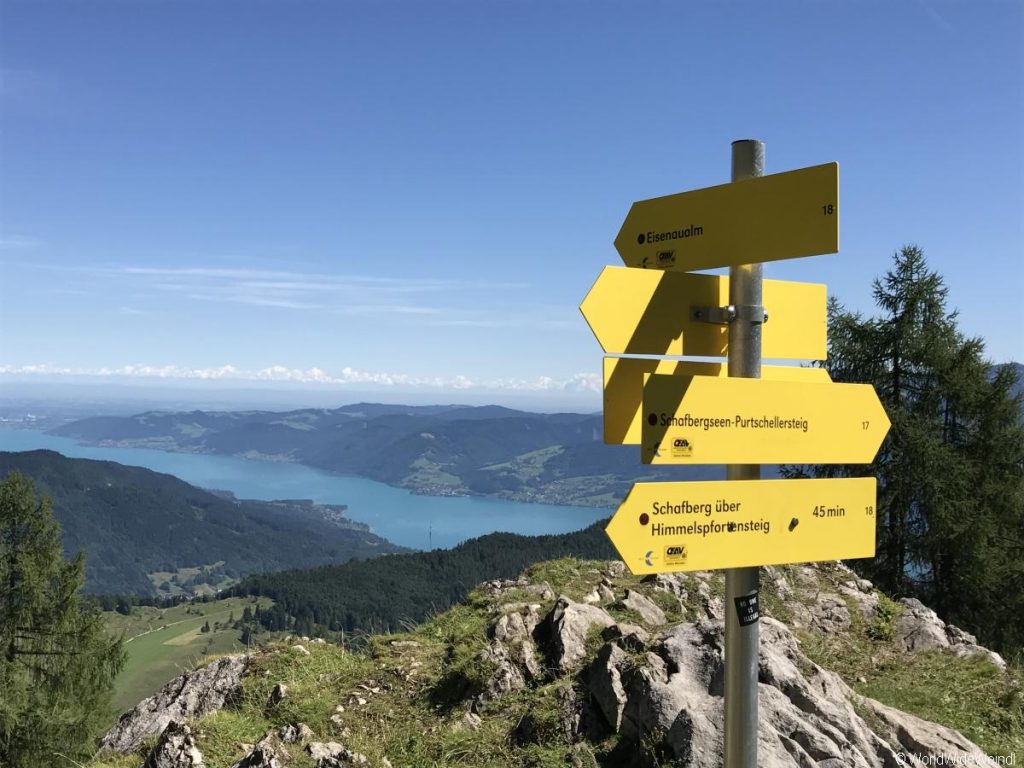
x=411, y=520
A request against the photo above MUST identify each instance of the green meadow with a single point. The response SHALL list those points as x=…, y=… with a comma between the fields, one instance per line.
x=163, y=643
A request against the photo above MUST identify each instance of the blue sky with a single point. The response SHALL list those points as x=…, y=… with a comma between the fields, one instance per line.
x=418, y=195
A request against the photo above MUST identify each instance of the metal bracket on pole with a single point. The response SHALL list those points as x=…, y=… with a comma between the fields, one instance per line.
x=753, y=313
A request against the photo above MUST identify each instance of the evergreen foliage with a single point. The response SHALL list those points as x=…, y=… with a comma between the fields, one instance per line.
x=951, y=471
x=385, y=594
x=57, y=663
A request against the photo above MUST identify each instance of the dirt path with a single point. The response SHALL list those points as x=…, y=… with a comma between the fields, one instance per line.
x=174, y=624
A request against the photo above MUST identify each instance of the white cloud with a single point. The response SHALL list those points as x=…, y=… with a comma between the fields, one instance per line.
x=346, y=294
x=452, y=303
x=581, y=382
x=475, y=322
x=254, y=300
x=584, y=382
x=388, y=309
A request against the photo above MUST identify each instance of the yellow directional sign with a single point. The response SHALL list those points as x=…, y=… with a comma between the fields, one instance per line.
x=648, y=312
x=705, y=420
x=781, y=216
x=624, y=388
x=666, y=527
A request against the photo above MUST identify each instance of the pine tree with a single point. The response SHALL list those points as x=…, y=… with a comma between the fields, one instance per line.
x=951, y=471
x=57, y=662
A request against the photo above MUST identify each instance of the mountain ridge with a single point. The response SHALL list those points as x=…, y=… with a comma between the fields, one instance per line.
x=580, y=663
x=486, y=450
x=133, y=523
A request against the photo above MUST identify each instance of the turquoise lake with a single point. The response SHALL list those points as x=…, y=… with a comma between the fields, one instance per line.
x=421, y=522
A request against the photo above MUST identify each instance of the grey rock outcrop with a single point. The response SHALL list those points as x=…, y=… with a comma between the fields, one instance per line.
x=515, y=630
x=471, y=721
x=919, y=628
x=627, y=636
x=570, y=712
x=670, y=681
x=690, y=586
x=828, y=614
x=651, y=684
x=194, y=694
x=176, y=748
x=919, y=738
x=651, y=614
x=295, y=734
x=678, y=692
x=605, y=678
x=512, y=652
x=319, y=750
x=807, y=714
x=277, y=694
x=569, y=624
x=268, y=753
x=507, y=676
x=333, y=755
x=499, y=587
x=615, y=568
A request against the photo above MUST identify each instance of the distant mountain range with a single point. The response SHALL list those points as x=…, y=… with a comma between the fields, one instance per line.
x=149, y=533
x=558, y=458
x=445, y=450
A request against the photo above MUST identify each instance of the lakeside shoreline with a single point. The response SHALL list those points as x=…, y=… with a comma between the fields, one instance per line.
x=168, y=445
x=400, y=515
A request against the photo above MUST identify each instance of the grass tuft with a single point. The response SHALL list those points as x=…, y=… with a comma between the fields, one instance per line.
x=406, y=696
x=967, y=693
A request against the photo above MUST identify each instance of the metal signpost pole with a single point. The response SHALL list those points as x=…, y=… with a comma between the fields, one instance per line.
x=741, y=584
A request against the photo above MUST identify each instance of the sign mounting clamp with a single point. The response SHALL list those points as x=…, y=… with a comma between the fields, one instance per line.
x=753, y=313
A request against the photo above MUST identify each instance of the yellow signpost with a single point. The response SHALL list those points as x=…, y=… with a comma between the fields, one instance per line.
x=705, y=420
x=741, y=413
x=782, y=216
x=665, y=527
x=647, y=312
x=624, y=388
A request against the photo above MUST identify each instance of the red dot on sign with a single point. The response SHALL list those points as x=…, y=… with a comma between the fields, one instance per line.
x=644, y=519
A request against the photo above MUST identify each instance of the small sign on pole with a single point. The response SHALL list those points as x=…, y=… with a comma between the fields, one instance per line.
x=782, y=216
x=709, y=420
x=698, y=526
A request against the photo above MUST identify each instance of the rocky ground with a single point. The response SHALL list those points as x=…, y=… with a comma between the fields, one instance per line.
x=581, y=664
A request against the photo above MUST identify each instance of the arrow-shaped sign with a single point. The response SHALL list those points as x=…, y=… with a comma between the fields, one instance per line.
x=648, y=312
x=624, y=388
x=666, y=527
x=704, y=420
x=781, y=216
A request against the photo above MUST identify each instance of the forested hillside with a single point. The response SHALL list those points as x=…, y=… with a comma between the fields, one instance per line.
x=558, y=458
x=141, y=530
x=385, y=594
